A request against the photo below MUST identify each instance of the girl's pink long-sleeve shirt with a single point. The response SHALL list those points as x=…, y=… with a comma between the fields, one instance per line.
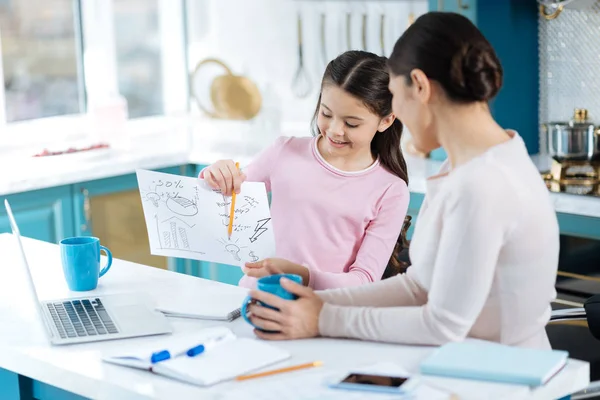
x=341, y=225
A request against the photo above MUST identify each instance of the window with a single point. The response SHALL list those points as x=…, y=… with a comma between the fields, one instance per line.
x=59, y=56
x=40, y=59
x=139, y=60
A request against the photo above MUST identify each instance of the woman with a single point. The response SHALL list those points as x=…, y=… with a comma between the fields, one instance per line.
x=485, y=249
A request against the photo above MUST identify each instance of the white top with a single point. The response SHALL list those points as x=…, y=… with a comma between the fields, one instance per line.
x=78, y=368
x=484, y=260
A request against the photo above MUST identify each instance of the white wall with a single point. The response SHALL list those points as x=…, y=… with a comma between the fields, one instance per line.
x=258, y=38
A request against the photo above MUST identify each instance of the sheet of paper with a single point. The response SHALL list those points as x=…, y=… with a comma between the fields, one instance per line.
x=203, y=304
x=187, y=219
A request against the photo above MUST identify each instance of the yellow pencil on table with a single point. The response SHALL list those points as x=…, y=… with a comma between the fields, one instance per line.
x=231, y=212
x=280, y=370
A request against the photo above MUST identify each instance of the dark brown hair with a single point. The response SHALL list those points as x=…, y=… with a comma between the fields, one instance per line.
x=365, y=76
x=449, y=49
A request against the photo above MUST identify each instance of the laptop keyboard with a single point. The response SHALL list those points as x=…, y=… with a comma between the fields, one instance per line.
x=77, y=318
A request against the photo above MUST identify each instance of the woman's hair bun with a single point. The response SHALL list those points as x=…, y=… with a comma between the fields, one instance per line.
x=476, y=72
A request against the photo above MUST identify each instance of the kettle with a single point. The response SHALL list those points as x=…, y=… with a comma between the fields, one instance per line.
x=232, y=96
x=574, y=140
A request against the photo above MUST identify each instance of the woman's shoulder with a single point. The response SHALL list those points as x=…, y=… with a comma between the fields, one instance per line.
x=508, y=188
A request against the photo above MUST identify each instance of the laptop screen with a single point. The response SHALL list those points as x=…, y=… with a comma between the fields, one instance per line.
x=17, y=235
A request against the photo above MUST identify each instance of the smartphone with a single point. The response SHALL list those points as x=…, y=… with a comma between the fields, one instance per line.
x=376, y=383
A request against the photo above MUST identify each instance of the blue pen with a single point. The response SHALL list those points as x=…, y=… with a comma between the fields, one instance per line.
x=194, y=351
x=160, y=356
x=191, y=352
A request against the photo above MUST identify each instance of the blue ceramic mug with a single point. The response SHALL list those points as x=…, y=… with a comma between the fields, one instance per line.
x=270, y=284
x=81, y=262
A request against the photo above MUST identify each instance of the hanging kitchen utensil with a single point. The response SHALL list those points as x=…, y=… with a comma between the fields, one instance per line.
x=382, y=34
x=411, y=14
x=233, y=96
x=323, y=42
x=551, y=9
x=349, y=30
x=575, y=140
x=364, y=32
x=301, y=82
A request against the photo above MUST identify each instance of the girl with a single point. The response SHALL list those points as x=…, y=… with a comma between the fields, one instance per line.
x=338, y=199
x=485, y=249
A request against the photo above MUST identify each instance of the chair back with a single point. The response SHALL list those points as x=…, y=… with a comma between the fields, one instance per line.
x=592, y=311
x=399, y=261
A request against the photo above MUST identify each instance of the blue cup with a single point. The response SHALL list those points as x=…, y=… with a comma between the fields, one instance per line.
x=270, y=284
x=81, y=262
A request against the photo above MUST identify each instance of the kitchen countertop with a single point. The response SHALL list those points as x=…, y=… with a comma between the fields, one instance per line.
x=164, y=149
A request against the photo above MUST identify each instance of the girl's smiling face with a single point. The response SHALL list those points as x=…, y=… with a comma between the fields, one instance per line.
x=346, y=124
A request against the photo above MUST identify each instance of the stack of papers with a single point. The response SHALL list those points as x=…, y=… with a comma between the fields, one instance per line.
x=215, y=302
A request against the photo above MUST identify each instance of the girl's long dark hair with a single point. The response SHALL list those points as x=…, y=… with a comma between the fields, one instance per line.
x=365, y=76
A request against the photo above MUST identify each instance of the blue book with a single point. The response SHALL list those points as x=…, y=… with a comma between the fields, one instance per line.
x=487, y=361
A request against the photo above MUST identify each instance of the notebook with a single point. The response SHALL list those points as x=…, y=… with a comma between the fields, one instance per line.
x=222, y=361
x=209, y=305
x=481, y=360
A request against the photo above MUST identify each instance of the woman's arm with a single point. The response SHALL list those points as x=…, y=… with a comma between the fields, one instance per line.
x=400, y=290
x=473, y=232
x=377, y=245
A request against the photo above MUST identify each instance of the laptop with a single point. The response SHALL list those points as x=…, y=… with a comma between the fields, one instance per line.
x=92, y=318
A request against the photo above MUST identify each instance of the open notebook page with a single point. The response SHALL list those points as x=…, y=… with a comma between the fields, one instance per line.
x=224, y=362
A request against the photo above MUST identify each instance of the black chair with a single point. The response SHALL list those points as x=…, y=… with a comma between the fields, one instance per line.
x=398, y=265
x=577, y=330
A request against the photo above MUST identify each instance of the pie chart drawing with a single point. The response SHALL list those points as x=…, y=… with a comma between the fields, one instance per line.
x=182, y=206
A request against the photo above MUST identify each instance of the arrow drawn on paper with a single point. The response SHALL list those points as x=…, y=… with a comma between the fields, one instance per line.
x=260, y=229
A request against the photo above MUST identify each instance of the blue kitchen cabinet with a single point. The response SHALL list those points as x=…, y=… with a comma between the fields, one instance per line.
x=579, y=226
x=45, y=214
x=224, y=273
x=414, y=205
x=468, y=8
x=111, y=209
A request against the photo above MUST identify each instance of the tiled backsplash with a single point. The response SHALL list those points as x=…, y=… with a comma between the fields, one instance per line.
x=569, y=54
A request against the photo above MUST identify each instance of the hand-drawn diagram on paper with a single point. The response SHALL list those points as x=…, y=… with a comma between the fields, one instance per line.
x=187, y=219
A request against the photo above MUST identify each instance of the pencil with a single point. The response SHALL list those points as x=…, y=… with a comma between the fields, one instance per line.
x=231, y=212
x=280, y=370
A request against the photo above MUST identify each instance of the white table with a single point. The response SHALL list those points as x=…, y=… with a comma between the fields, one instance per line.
x=78, y=368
